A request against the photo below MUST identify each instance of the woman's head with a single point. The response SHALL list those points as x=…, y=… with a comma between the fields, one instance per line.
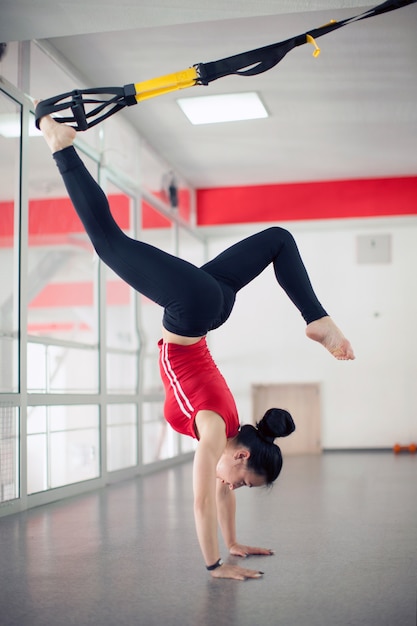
x=265, y=459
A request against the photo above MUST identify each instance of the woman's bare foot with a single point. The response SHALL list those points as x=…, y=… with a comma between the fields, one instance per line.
x=57, y=136
x=325, y=331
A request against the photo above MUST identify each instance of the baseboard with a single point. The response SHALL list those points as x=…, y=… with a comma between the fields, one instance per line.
x=358, y=450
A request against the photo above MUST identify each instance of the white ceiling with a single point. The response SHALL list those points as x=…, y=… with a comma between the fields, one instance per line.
x=350, y=113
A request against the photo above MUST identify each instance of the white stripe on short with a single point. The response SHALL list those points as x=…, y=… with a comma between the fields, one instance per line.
x=183, y=402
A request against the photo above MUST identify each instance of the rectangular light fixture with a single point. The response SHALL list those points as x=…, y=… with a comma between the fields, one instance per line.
x=223, y=108
x=10, y=126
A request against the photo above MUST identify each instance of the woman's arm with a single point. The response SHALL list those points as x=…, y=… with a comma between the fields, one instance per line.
x=226, y=515
x=212, y=441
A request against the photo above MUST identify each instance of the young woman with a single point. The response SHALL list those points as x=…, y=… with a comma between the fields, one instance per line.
x=195, y=301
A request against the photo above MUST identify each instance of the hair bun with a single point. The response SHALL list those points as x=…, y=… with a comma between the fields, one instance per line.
x=275, y=423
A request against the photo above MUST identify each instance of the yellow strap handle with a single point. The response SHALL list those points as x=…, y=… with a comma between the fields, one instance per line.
x=311, y=40
x=164, y=84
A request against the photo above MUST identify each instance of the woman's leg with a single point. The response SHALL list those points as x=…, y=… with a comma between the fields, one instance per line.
x=191, y=297
x=241, y=263
x=195, y=300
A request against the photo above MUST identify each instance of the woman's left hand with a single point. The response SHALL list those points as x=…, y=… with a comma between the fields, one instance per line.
x=238, y=549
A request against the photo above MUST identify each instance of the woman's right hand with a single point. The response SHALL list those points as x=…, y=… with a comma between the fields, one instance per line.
x=235, y=572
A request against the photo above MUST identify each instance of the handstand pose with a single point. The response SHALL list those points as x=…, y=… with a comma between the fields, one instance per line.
x=196, y=300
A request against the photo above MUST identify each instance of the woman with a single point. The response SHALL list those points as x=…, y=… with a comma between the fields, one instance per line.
x=195, y=301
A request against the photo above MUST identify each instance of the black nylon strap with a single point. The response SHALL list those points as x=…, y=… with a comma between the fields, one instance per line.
x=262, y=59
x=245, y=64
x=78, y=99
x=256, y=61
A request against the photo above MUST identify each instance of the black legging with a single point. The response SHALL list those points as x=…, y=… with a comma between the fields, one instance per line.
x=195, y=300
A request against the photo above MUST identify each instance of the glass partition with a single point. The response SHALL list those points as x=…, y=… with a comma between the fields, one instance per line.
x=10, y=113
x=121, y=323
x=9, y=452
x=166, y=186
x=9, y=65
x=151, y=314
x=159, y=441
x=86, y=373
x=62, y=446
x=62, y=321
x=121, y=148
x=190, y=248
x=122, y=436
x=48, y=78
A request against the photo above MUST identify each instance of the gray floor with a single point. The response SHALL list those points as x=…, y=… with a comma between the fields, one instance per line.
x=344, y=527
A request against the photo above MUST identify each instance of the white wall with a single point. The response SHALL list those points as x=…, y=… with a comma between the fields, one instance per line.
x=370, y=402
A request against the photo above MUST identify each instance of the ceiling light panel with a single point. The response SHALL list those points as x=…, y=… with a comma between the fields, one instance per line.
x=223, y=108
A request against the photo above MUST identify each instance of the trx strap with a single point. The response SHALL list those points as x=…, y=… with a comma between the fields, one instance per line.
x=87, y=111
x=112, y=99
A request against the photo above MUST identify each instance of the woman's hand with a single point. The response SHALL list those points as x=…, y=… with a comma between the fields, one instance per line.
x=235, y=572
x=237, y=549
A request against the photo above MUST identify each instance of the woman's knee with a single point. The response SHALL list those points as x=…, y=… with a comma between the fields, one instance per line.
x=279, y=233
x=276, y=238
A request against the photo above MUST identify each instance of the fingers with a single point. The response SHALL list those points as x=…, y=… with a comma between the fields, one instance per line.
x=235, y=572
x=249, y=573
x=258, y=551
x=263, y=551
x=244, y=551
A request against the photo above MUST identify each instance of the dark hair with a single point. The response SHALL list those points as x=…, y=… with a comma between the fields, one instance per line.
x=265, y=456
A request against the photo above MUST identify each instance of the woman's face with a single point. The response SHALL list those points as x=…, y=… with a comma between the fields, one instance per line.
x=232, y=469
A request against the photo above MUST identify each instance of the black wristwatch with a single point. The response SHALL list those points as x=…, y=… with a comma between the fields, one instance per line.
x=215, y=565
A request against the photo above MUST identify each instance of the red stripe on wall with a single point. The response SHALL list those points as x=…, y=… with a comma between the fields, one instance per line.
x=117, y=293
x=6, y=222
x=64, y=295
x=49, y=328
x=79, y=294
x=152, y=219
x=57, y=216
x=308, y=201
